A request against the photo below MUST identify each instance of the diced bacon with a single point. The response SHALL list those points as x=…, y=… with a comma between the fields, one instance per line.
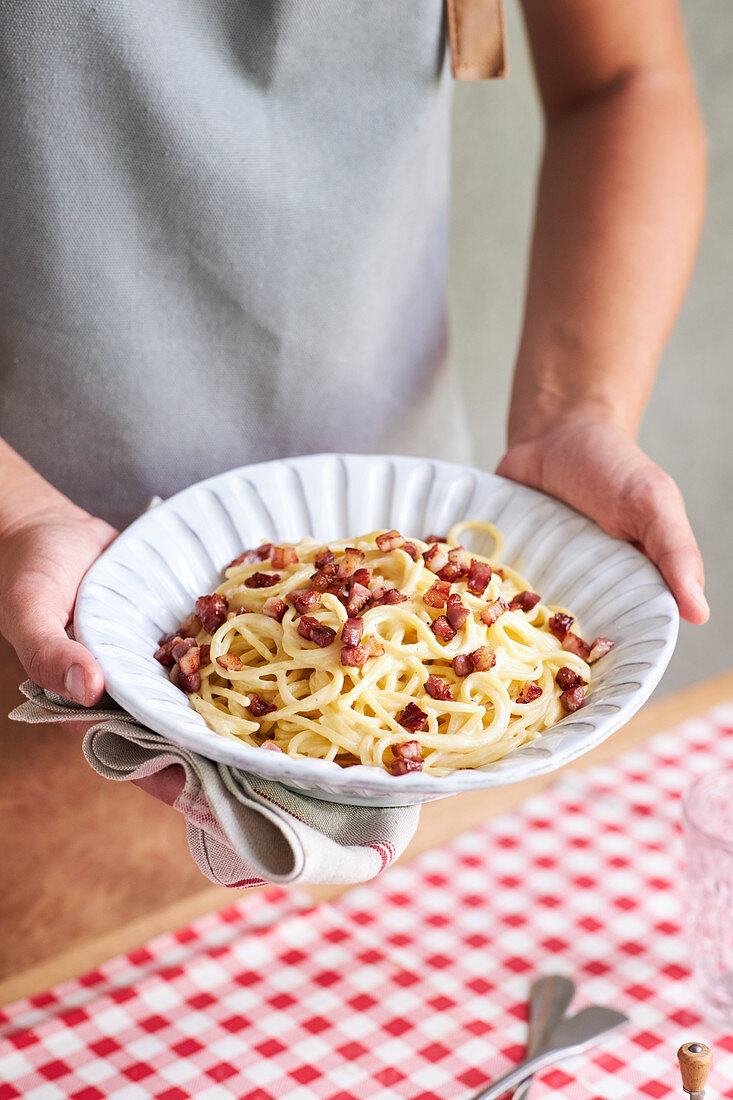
x=322, y=635
x=249, y=557
x=435, y=559
x=362, y=576
x=353, y=655
x=407, y=750
x=457, y=565
x=324, y=557
x=359, y=597
x=530, y=692
x=389, y=596
x=433, y=538
x=378, y=588
x=560, y=624
x=264, y=551
x=190, y=626
x=479, y=575
x=205, y=655
x=412, y=718
x=283, y=556
x=262, y=580
x=271, y=746
x=400, y=766
x=275, y=608
x=493, y=611
x=456, y=613
x=390, y=540
x=372, y=646
x=524, y=601
x=350, y=562
x=462, y=664
x=573, y=643
x=340, y=591
x=437, y=594
x=411, y=549
x=258, y=707
x=189, y=662
x=566, y=678
x=438, y=689
x=352, y=631
x=169, y=637
x=573, y=698
x=599, y=648
x=324, y=576
x=305, y=599
x=483, y=658
x=212, y=610
x=230, y=661
x=189, y=681
x=165, y=653
x=499, y=573
x=181, y=646
x=442, y=629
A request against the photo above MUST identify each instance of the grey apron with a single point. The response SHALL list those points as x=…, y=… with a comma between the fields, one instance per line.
x=222, y=237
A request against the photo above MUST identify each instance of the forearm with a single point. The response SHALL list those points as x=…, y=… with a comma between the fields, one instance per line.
x=25, y=492
x=619, y=210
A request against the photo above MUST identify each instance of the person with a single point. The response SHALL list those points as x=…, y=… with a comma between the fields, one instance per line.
x=224, y=231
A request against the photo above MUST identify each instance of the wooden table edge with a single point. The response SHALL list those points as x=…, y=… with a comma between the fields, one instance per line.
x=467, y=812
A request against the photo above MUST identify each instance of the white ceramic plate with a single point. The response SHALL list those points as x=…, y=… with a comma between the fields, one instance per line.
x=148, y=580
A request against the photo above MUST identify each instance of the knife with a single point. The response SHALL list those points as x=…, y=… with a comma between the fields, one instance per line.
x=571, y=1036
x=549, y=999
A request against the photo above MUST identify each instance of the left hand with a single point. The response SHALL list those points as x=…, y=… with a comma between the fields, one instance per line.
x=597, y=467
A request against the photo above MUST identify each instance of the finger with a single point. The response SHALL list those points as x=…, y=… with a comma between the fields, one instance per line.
x=165, y=785
x=48, y=655
x=669, y=542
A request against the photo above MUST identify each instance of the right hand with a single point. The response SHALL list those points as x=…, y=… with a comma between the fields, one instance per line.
x=43, y=558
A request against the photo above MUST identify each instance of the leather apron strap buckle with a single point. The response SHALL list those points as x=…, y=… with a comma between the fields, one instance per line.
x=477, y=33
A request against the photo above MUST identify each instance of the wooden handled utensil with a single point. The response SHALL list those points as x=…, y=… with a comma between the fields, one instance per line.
x=695, y=1060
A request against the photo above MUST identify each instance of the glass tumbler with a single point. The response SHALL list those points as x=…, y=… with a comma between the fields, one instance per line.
x=707, y=819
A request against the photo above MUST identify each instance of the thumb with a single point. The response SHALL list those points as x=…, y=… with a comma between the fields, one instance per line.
x=51, y=658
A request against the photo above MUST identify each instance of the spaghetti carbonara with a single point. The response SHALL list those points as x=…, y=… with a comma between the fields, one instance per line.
x=405, y=654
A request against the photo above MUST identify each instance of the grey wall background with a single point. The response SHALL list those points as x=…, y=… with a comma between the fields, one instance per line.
x=688, y=427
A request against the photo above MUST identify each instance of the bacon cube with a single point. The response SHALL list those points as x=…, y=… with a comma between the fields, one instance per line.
x=283, y=556
x=353, y=655
x=212, y=611
x=456, y=613
x=530, y=692
x=566, y=678
x=257, y=707
x=479, y=575
x=230, y=662
x=305, y=599
x=390, y=540
x=560, y=624
x=442, y=629
x=493, y=611
x=350, y=562
x=412, y=718
x=462, y=664
x=524, y=601
x=599, y=648
x=275, y=608
x=437, y=594
x=262, y=580
x=435, y=559
x=359, y=596
x=438, y=689
x=352, y=631
x=573, y=643
x=483, y=658
x=573, y=698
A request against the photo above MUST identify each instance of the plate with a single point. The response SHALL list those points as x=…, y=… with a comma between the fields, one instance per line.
x=147, y=581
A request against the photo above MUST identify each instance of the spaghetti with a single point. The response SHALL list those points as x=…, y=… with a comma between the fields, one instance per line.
x=408, y=655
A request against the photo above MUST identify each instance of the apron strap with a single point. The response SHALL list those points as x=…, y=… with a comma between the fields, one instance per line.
x=477, y=39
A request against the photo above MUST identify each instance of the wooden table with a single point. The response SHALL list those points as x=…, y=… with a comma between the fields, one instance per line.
x=96, y=868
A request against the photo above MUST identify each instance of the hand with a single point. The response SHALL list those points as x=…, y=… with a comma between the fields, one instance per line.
x=597, y=467
x=43, y=557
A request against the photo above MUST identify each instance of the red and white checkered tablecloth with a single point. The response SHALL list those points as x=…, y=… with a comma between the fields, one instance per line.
x=413, y=987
